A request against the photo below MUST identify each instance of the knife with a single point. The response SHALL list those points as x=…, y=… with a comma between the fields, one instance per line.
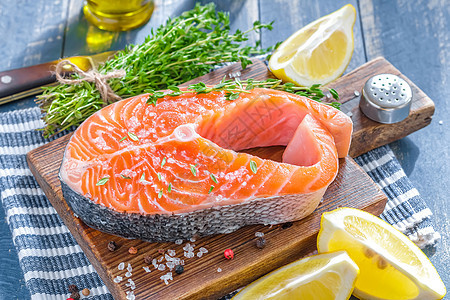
x=28, y=81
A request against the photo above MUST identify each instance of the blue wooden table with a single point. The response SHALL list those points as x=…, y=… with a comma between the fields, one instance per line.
x=412, y=35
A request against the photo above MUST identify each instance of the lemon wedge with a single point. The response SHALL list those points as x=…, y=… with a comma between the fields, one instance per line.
x=325, y=276
x=317, y=53
x=392, y=266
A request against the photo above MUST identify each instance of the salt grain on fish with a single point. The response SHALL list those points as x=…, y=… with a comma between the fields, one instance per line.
x=118, y=279
x=128, y=274
x=179, y=242
x=203, y=250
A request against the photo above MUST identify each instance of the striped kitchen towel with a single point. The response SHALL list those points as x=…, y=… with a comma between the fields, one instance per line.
x=50, y=257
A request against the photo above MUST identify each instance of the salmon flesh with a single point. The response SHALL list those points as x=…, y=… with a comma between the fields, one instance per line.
x=171, y=170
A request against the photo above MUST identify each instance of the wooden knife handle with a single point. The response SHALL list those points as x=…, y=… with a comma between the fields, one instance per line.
x=22, y=79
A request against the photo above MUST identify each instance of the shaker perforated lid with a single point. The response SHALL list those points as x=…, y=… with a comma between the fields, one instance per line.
x=386, y=98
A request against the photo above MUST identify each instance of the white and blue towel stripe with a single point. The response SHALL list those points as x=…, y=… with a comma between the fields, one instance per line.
x=51, y=258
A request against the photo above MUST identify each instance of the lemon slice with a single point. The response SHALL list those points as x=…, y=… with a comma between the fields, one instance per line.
x=392, y=266
x=319, y=277
x=317, y=53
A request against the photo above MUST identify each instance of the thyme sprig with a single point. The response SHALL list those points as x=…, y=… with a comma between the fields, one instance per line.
x=234, y=87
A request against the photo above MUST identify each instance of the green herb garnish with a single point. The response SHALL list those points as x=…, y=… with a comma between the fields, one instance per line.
x=133, y=137
x=253, y=166
x=143, y=177
x=160, y=194
x=163, y=162
x=210, y=189
x=125, y=177
x=159, y=176
x=169, y=188
x=102, y=181
x=213, y=177
x=193, y=170
x=182, y=49
x=122, y=139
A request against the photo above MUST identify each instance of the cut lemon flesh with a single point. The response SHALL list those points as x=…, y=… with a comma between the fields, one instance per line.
x=391, y=266
x=326, y=276
x=317, y=53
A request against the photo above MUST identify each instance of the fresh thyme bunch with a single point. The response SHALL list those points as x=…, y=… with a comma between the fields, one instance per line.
x=184, y=48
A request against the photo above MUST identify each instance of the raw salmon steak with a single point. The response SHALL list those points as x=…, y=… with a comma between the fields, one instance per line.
x=171, y=170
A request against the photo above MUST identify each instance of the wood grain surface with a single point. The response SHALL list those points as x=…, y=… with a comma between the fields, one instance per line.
x=352, y=188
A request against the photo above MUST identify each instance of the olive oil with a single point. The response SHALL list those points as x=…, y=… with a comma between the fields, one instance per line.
x=118, y=15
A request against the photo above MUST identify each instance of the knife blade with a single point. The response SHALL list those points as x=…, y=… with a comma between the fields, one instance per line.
x=23, y=82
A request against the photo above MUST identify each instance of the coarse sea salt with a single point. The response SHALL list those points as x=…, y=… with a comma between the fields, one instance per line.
x=203, y=250
x=192, y=239
x=259, y=234
x=128, y=274
x=166, y=277
x=189, y=254
x=121, y=266
x=130, y=295
x=176, y=261
x=188, y=247
x=219, y=270
x=129, y=268
x=179, y=242
x=171, y=252
x=161, y=259
x=118, y=279
x=170, y=265
x=162, y=267
x=131, y=284
x=147, y=269
x=199, y=254
x=155, y=263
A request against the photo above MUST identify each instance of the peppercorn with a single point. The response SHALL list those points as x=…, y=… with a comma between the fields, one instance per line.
x=75, y=296
x=286, y=225
x=179, y=269
x=112, y=246
x=228, y=253
x=73, y=288
x=148, y=259
x=86, y=292
x=260, y=242
x=133, y=250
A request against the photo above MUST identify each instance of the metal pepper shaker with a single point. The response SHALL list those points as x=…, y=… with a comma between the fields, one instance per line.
x=386, y=98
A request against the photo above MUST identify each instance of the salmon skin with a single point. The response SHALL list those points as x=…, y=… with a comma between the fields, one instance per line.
x=171, y=170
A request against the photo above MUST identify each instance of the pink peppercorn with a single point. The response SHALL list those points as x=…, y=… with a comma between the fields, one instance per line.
x=228, y=253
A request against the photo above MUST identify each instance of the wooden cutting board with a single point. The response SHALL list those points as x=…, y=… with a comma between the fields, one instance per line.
x=211, y=275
